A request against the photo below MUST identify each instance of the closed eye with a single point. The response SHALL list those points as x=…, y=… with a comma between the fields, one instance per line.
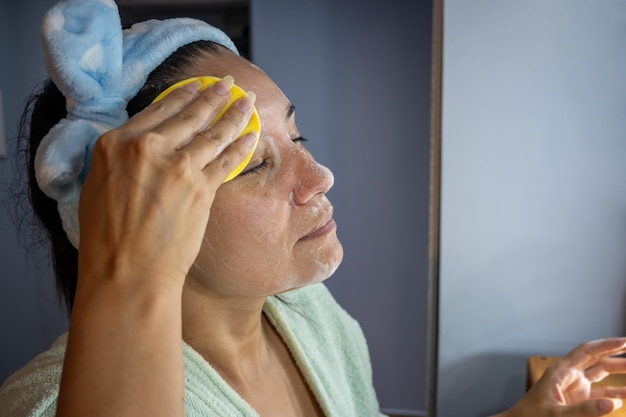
x=299, y=139
x=255, y=169
x=264, y=163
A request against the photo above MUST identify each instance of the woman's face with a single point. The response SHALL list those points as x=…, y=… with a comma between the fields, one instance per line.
x=271, y=228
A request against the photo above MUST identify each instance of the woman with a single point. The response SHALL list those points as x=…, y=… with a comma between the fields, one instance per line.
x=189, y=295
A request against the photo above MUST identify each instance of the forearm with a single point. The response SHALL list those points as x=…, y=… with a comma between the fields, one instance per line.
x=124, y=353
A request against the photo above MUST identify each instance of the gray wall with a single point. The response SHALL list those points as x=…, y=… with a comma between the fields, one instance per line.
x=360, y=79
x=533, y=233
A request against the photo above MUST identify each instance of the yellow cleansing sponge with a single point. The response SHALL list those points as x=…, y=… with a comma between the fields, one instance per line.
x=254, y=125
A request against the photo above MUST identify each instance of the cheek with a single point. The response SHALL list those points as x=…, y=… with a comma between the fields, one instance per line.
x=250, y=248
x=245, y=242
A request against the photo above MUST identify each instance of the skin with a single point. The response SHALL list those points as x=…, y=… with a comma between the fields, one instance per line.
x=167, y=250
x=159, y=179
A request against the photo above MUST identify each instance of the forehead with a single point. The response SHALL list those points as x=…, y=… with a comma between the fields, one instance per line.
x=270, y=100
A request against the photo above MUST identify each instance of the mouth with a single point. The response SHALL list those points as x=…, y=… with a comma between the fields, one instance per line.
x=326, y=225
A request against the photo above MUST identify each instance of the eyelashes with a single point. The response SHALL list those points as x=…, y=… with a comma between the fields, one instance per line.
x=255, y=169
x=265, y=162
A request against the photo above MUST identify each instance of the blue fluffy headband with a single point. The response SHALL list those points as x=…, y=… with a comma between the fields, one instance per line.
x=98, y=67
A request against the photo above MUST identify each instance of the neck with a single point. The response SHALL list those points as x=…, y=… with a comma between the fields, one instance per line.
x=230, y=333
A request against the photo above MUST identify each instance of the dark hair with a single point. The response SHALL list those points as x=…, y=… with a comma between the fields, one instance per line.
x=43, y=110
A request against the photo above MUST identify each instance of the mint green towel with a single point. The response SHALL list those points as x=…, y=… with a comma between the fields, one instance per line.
x=326, y=343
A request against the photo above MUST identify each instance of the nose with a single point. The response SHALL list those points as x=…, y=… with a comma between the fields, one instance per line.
x=311, y=179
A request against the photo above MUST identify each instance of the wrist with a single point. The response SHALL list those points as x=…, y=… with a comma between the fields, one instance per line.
x=122, y=274
x=127, y=265
x=126, y=296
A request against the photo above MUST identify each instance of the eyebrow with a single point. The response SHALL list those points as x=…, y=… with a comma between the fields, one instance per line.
x=290, y=109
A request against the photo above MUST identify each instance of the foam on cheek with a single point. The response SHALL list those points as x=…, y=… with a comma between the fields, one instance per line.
x=262, y=253
x=266, y=238
x=251, y=258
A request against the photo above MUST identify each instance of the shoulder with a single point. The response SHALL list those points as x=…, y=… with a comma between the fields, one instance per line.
x=33, y=390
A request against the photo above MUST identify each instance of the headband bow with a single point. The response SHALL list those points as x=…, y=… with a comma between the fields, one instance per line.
x=98, y=67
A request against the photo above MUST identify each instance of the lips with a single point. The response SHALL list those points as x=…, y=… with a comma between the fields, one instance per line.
x=326, y=225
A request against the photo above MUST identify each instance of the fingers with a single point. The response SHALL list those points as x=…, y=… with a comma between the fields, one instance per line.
x=153, y=115
x=604, y=367
x=591, y=408
x=203, y=124
x=608, y=392
x=201, y=117
x=588, y=353
x=209, y=143
x=197, y=115
x=231, y=158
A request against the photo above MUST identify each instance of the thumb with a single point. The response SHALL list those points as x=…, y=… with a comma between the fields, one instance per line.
x=592, y=408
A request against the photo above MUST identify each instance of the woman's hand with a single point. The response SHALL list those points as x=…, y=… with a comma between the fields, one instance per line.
x=146, y=200
x=565, y=388
x=143, y=212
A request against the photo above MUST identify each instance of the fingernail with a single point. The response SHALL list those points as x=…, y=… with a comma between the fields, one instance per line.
x=192, y=87
x=251, y=96
x=245, y=104
x=607, y=405
x=223, y=86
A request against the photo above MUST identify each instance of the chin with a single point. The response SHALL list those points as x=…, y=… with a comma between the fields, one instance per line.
x=325, y=268
x=318, y=272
